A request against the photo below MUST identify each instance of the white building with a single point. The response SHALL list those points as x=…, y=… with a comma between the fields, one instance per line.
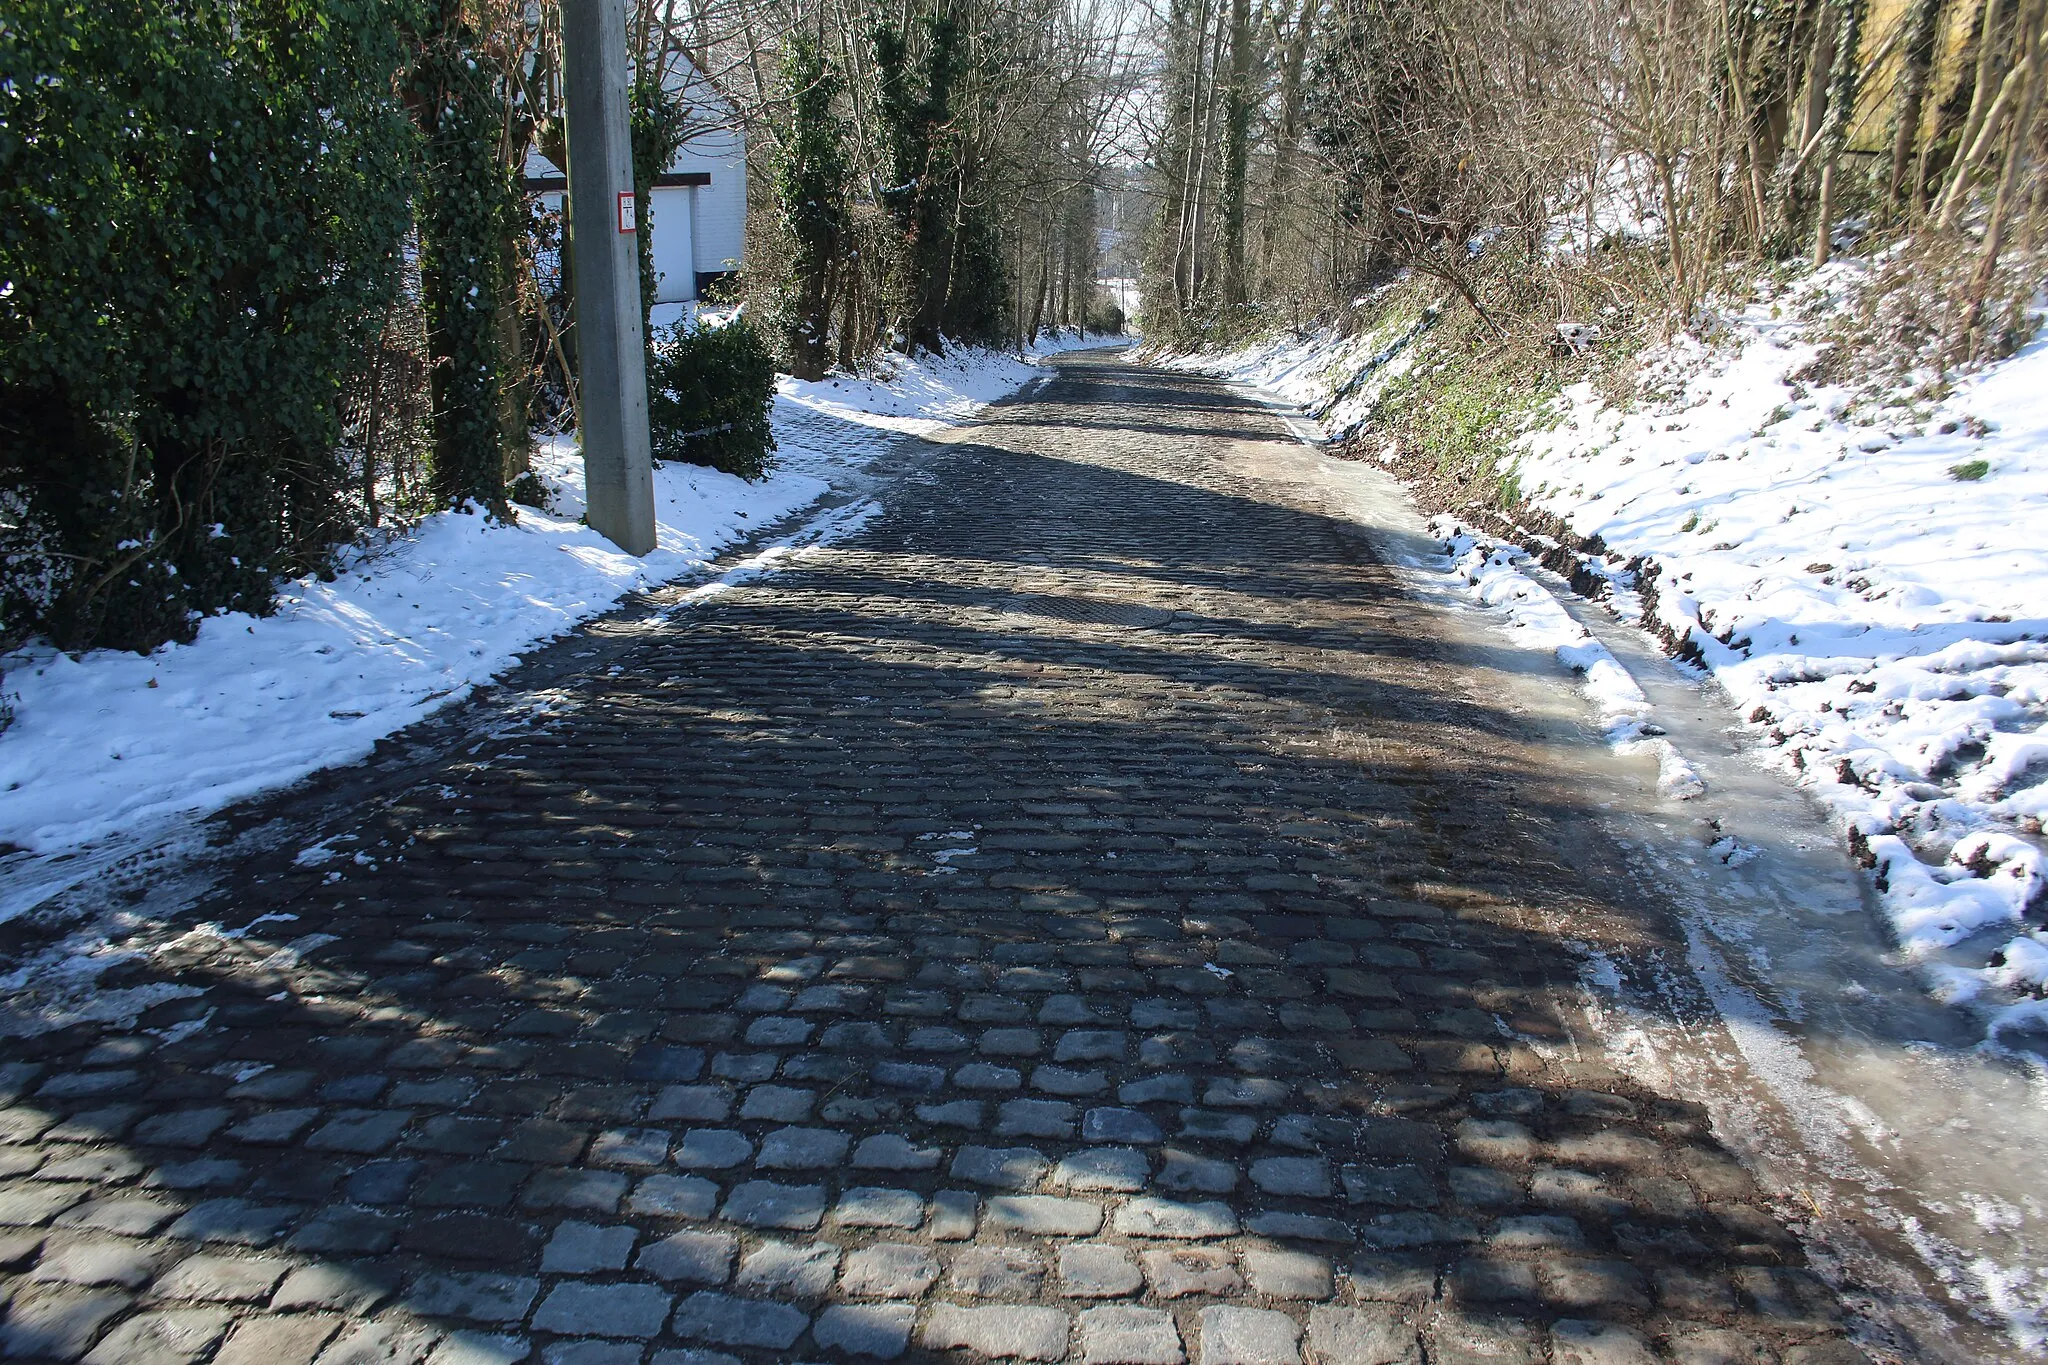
x=698, y=206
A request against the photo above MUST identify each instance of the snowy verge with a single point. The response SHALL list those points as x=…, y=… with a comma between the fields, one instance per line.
x=1495, y=574
x=1334, y=378
x=925, y=394
x=112, y=744
x=1861, y=564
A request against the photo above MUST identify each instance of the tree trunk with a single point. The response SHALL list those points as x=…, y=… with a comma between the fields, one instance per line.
x=1917, y=63
x=1237, y=123
x=1285, y=137
x=370, y=425
x=1982, y=97
x=1834, y=133
x=2017, y=147
x=1972, y=156
x=515, y=373
x=1193, y=41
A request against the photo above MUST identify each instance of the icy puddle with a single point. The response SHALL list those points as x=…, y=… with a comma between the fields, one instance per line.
x=1906, y=1151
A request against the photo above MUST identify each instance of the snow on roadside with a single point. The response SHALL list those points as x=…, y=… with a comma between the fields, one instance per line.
x=928, y=393
x=1866, y=573
x=1877, y=610
x=112, y=744
x=1336, y=379
x=1497, y=576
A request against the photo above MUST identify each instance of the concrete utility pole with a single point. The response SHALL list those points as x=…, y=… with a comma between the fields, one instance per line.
x=611, y=355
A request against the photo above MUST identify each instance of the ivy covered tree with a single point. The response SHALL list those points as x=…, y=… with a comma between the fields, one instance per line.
x=658, y=120
x=201, y=213
x=954, y=281
x=466, y=199
x=913, y=104
x=978, y=284
x=811, y=174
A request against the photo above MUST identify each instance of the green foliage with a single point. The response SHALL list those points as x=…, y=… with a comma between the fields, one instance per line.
x=1464, y=402
x=1210, y=324
x=1969, y=471
x=201, y=208
x=467, y=200
x=1461, y=426
x=978, y=294
x=658, y=120
x=1382, y=85
x=709, y=391
x=1104, y=317
x=530, y=490
x=953, y=279
x=810, y=175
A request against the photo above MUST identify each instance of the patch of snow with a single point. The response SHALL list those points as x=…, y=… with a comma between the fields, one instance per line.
x=59, y=986
x=1334, y=379
x=1497, y=575
x=1878, y=615
x=922, y=394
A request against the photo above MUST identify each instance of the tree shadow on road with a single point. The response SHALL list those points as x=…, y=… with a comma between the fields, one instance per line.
x=831, y=919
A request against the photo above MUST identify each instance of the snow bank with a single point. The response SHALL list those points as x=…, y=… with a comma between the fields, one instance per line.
x=1879, y=612
x=1336, y=379
x=1866, y=572
x=928, y=393
x=1498, y=576
x=110, y=744
x=109, y=741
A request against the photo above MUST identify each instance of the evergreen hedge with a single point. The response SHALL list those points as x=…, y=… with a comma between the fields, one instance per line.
x=201, y=212
x=708, y=395
x=467, y=206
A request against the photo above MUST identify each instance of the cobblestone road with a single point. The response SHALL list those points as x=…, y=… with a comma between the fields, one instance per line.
x=1089, y=914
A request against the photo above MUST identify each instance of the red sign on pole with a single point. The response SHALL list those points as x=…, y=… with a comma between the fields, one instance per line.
x=628, y=218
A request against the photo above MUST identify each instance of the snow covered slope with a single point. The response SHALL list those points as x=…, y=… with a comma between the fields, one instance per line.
x=111, y=743
x=1865, y=570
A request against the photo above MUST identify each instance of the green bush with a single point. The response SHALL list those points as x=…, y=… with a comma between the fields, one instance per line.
x=1969, y=471
x=466, y=206
x=201, y=210
x=708, y=396
x=1104, y=317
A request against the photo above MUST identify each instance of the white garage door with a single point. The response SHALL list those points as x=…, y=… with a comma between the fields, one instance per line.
x=675, y=256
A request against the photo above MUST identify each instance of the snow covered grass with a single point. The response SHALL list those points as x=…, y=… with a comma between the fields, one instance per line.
x=1338, y=379
x=114, y=744
x=1868, y=581
x=1862, y=564
x=110, y=741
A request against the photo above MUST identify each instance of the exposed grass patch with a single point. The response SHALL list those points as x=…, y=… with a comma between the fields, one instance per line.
x=1458, y=411
x=1969, y=471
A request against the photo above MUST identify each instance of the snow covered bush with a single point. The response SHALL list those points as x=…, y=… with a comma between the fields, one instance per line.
x=708, y=394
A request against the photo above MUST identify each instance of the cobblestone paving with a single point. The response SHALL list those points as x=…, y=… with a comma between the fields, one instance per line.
x=1087, y=915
